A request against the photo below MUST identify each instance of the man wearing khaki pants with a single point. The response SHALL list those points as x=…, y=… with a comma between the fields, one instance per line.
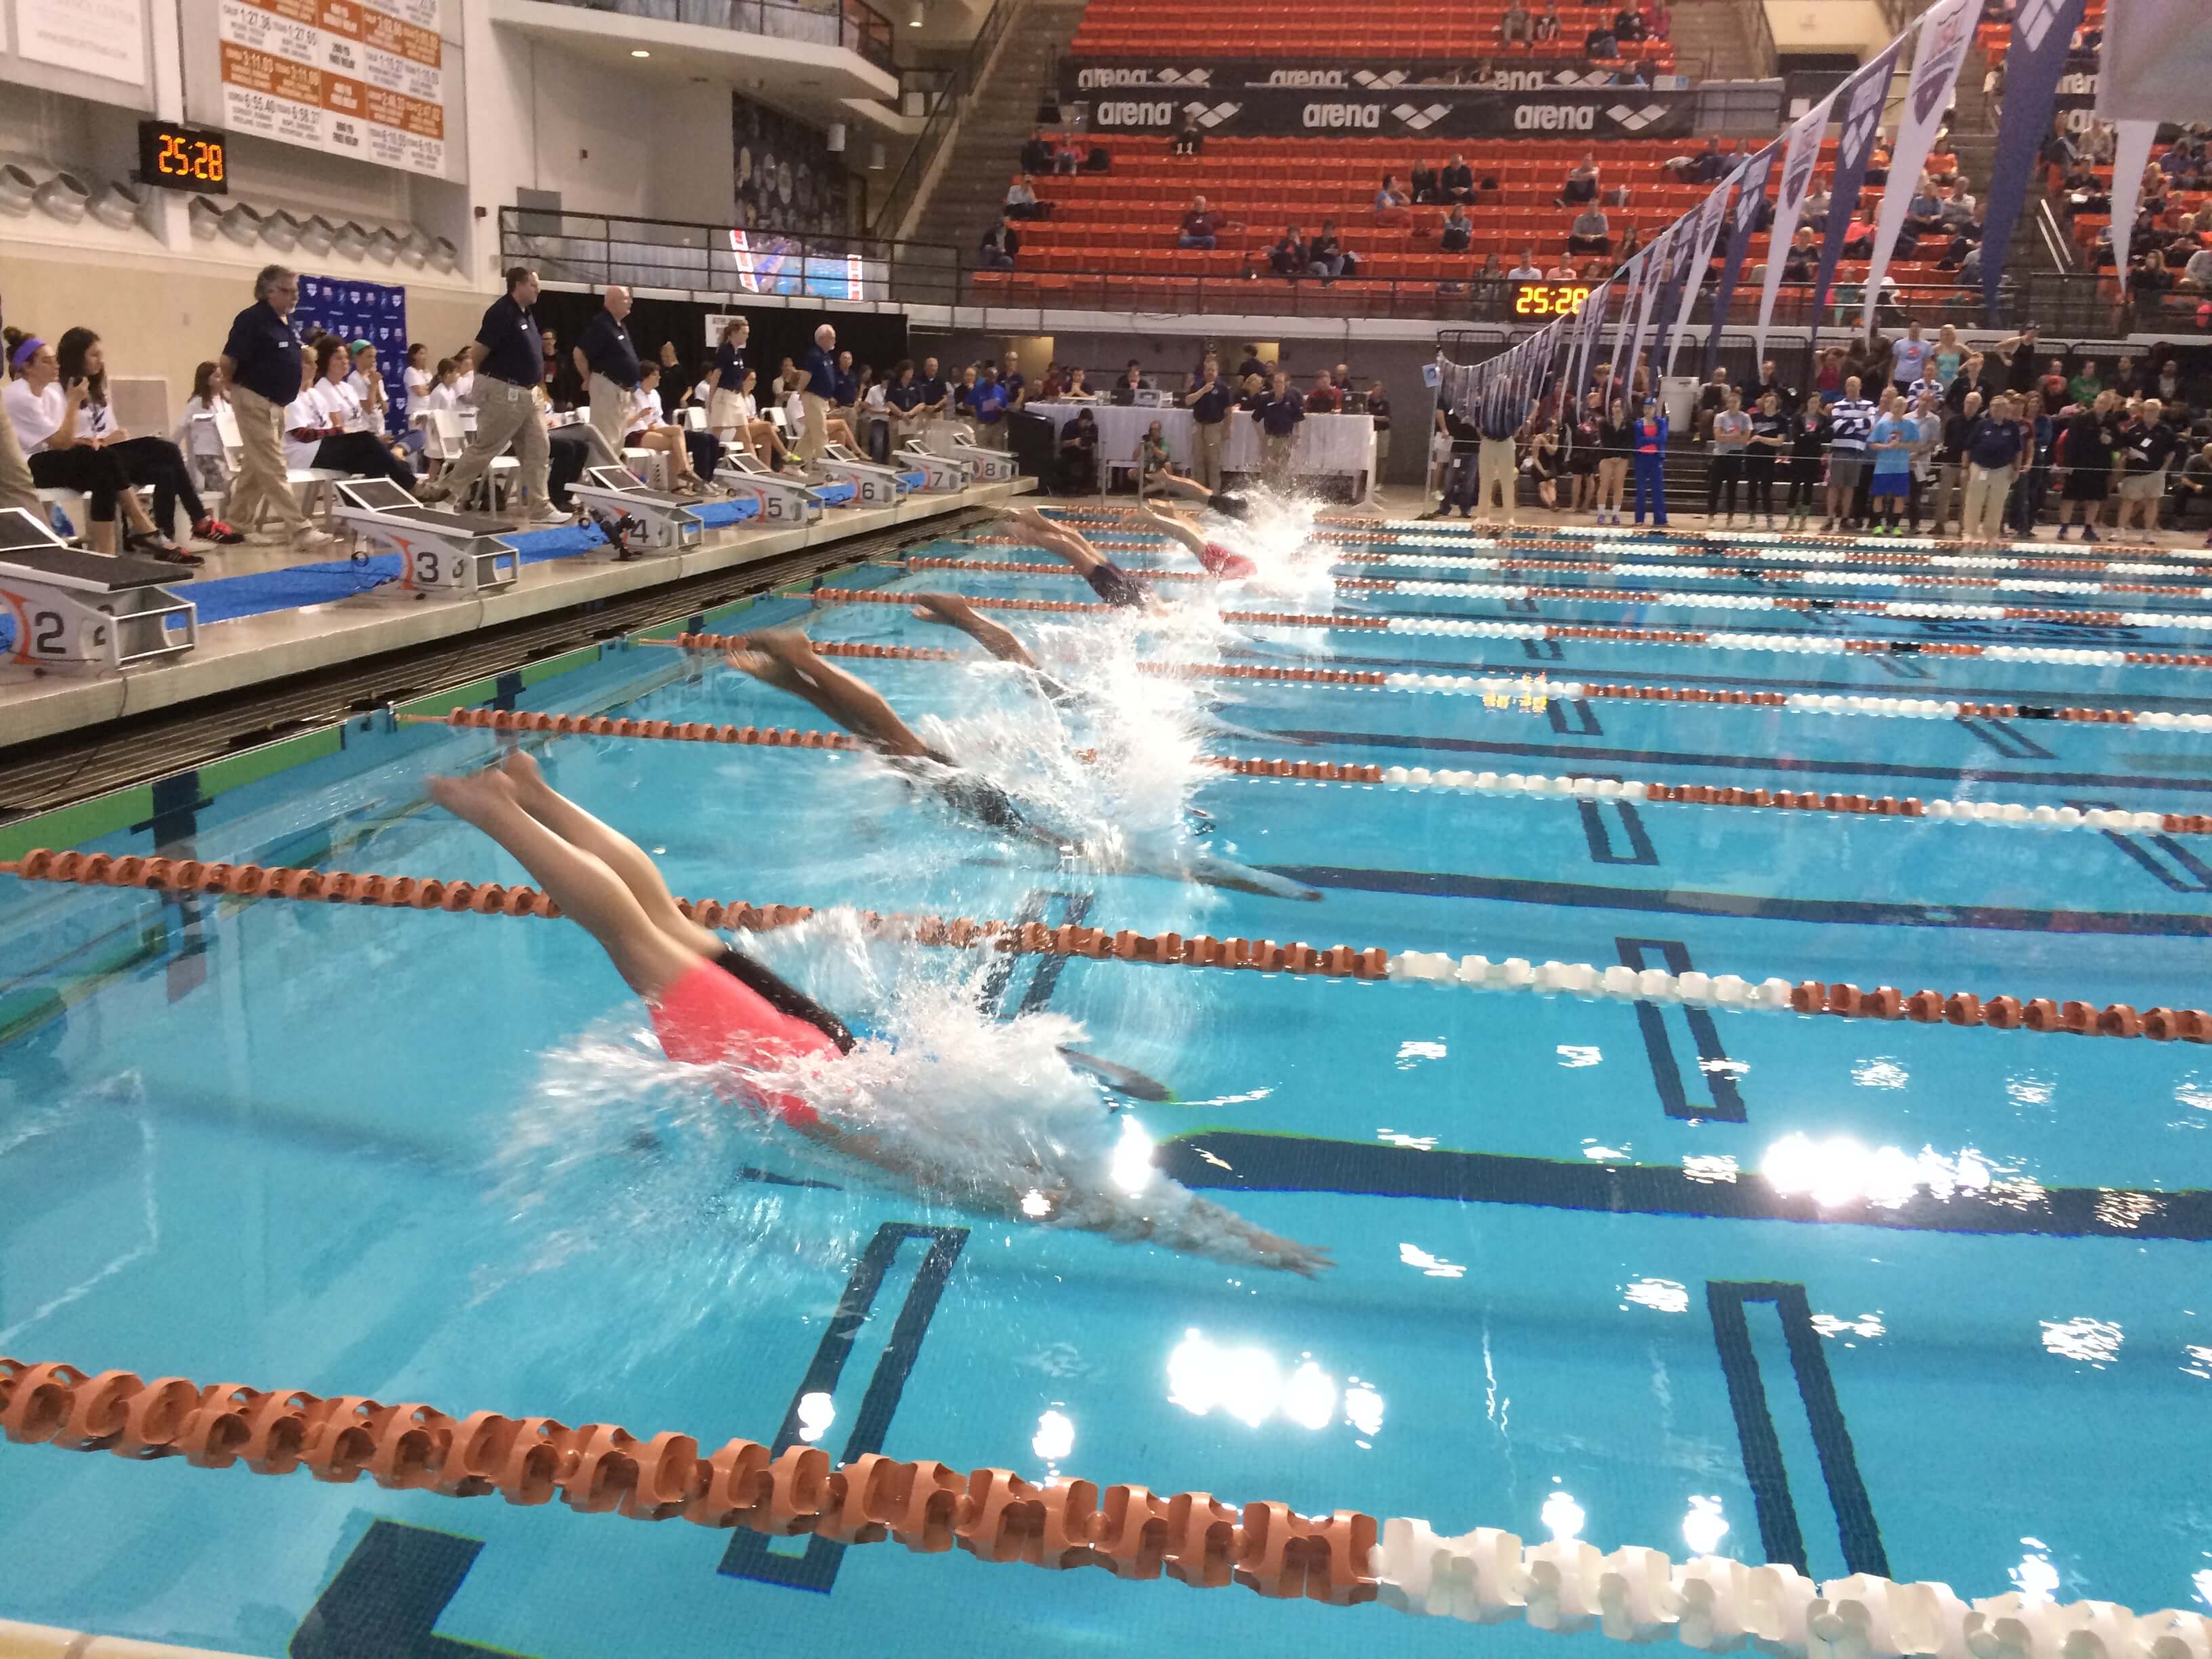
x=508, y=356
x=606, y=361
x=818, y=387
x=1209, y=400
x=261, y=369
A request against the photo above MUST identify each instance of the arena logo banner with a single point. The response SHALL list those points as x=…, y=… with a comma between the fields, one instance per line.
x=1081, y=78
x=1442, y=113
x=375, y=311
x=2035, y=66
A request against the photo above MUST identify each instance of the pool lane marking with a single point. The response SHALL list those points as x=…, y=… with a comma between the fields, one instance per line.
x=387, y=1597
x=1582, y=980
x=1713, y=1068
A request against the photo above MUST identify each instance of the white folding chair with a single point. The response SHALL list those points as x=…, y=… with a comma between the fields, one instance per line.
x=310, y=483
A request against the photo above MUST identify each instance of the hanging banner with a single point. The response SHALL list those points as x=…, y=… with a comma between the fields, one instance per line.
x=1705, y=232
x=374, y=312
x=1946, y=30
x=1751, y=199
x=2156, y=66
x=1437, y=115
x=1801, y=154
x=1593, y=320
x=1631, y=297
x=1082, y=77
x=1864, y=95
x=1657, y=283
x=2033, y=64
x=2130, y=155
x=361, y=78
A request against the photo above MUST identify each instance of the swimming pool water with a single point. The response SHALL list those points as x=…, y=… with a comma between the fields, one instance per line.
x=424, y=1157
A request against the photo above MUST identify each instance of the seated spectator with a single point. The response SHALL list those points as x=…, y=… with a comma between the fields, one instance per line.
x=1658, y=20
x=1456, y=182
x=1078, y=389
x=1591, y=232
x=1582, y=181
x=1289, y=259
x=1000, y=245
x=1957, y=206
x=1858, y=237
x=1712, y=399
x=1324, y=399
x=1202, y=225
x=2085, y=386
x=2052, y=385
x=1877, y=168
x=2151, y=276
x=1518, y=28
x=2193, y=487
x=1705, y=167
x=1599, y=47
x=1547, y=24
x=1803, y=258
x=1562, y=272
x=1067, y=155
x=1078, y=454
x=1457, y=235
x=322, y=425
x=1631, y=239
x=1189, y=139
x=1527, y=271
x=1391, y=204
x=1038, y=154
x=1329, y=259
x=1131, y=383
x=1628, y=25
x=1424, y=185
x=644, y=428
x=1818, y=200
x=1021, y=198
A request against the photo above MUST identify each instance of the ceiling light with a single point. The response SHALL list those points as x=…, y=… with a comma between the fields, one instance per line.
x=317, y=234
x=913, y=17
x=64, y=197
x=639, y=52
x=351, y=241
x=242, y=224
x=17, y=187
x=204, y=218
x=444, y=254
x=834, y=138
x=280, y=231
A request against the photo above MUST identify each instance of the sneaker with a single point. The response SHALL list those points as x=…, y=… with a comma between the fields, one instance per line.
x=308, y=539
x=1770, y=521
x=2089, y=535
x=214, y=529
x=545, y=516
x=176, y=555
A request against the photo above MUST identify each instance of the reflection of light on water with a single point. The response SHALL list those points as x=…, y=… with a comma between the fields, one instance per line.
x=1867, y=1325
x=1362, y=1408
x=1411, y=1143
x=1839, y=1170
x=1309, y=1397
x=1599, y=1154
x=2035, y=1577
x=1563, y=1517
x=1247, y=1385
x=2092, y=1341
x=1881, y=1073
x=1132, y=1157
x=1035, y=1203
x=2030, y=1090
x=1054, y=1438
x=1434, y=1267
x=1717, y=1167
x=1411, y=1054
x=1703, y=1527
x=2204, y=1582
x=817, y=1412
x=1660, y=1295
x=2203, y=1362
x=1574, y=1056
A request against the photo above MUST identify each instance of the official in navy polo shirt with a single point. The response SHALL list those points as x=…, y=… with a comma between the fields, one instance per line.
x=261, y=364
x=606, y=359
x=1209, y=400
x=508, y=356
x=820, y=368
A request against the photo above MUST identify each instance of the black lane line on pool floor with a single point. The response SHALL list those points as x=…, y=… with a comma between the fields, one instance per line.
x=1253, y=1161
x=1764, y=1466
x=1788, y=763
x=2171, y=864
x=387, y=1597
x=749, y=1555
x=1714, y=1070
x=1736, y=907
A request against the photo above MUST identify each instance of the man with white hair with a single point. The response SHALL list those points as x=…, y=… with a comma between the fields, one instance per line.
x=606, y=361
x=817, y=384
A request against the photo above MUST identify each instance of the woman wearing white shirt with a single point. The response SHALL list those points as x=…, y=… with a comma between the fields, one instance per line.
x=366, y=382
x=198, y=436
x=149, y=462
x=760, y=433
x=49, y=418
x=418, y=377
x=643, y=428
x=315, y=433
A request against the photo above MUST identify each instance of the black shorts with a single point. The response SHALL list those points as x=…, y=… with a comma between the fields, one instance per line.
x=2087, y=484
x=782, y=996
x=1114, y=584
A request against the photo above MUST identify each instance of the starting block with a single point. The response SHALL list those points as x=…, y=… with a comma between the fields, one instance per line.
x=784, y=498
x=439, y=551
x=938, y=472
x=984, y=465
x=664, y=522
x=872, y=485
x=77, y=609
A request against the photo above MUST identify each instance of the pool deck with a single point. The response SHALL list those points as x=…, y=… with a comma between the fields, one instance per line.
x=275, y=645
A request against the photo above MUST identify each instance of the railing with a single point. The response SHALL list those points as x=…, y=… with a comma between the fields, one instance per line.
x=848, y=23
x=952, y=96
x=1763, y=49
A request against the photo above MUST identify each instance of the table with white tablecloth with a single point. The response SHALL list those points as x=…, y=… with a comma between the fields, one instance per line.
x=1339, y=445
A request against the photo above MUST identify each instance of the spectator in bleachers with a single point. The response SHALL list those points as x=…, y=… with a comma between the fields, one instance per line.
x=1390, y=205
x=1324, y=399
x=1289, y=259
x=1000, y=243
x=1705, y=167
x=1424, y=185
x=1202, y=225
x=1628, y=25
x=1067, y=156
x=1456, y=182
x=1021, y=198
x=1517, y=27
x=1278, y=414
x=1564, y=271
x=1600, y=45
x=1038, y=154
x=1582, y=183
x=1189, y=139
x=1527, y=271
x=1327, y=256
x=1457, y=234
x=1909, y=357
x=2086, y=385
x=2151, y=274
x=1803, y=258
x=1548, y=23
x=1712, y=399
x=1590, y=233
x=1818, y=200
x=2166, y=384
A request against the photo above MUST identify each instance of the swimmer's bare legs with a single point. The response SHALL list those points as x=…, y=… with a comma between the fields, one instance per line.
x=784, y=660
x=587, y=891
x=628, y=861
x=1174, y=524
x=1183, y=486
x=1057, y=539
x=951, y=610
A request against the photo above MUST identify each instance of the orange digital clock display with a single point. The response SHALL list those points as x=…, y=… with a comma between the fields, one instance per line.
x=183, y=158
x=1550, y=299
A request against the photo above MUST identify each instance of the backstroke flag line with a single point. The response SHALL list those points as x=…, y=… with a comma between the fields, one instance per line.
x=1864, y=96
x=1710, y=212
x=1751, y=197
x=1801, y=154
x=2034, y=62
x=1946, y=31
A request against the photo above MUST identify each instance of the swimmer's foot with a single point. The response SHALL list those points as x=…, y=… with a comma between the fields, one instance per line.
x=1307, y=1261
x=522, y=770
x=475, y=797
x=948, y=610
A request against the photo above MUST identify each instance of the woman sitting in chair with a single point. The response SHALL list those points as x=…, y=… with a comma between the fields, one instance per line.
x=643, y=428
x=317, y=423
x=761, y=434
x=154, y=463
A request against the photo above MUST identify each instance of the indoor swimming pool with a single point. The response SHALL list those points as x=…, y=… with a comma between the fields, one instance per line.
x=1919, y=1299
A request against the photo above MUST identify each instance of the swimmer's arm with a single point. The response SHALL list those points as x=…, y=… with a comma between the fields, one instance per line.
x=1210, y=1223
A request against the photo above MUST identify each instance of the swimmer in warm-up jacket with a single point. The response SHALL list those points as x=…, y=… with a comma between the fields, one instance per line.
x=712, y=1004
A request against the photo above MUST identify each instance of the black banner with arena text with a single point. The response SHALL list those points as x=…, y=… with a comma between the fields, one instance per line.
x=1426, y=113
x=1093, y=77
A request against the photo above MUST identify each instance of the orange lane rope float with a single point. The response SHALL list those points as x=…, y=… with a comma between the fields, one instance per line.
x=1582, y=980
x=599, y=1468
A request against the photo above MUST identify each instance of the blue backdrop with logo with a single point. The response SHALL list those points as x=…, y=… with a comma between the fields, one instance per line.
x=375, y=311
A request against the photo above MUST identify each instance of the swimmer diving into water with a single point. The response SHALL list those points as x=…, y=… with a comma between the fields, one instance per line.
x=712, y=1004
x=1228, y=505
x=1116, y=586
x=786, y=659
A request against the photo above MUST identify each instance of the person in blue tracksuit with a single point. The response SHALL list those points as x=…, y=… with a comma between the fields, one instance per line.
x=1647, y=441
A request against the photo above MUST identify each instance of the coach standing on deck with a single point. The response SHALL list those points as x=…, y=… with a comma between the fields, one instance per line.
x=508, y=356
x=817, y=385
x=1209, y=400
x=606, y=358
x=261, y=370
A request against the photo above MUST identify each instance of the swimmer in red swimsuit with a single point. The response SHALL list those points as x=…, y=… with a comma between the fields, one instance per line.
x=1218, y=560
x=708, y=1011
